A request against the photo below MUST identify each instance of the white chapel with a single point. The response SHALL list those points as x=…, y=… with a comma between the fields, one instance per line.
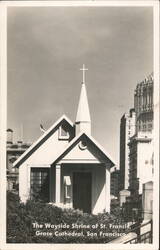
x=66, y=166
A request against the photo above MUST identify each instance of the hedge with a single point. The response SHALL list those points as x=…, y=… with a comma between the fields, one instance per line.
x=20, y=219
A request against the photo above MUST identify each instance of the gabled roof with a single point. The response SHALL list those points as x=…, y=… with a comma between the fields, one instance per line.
x=42, y=138
x=92, y=140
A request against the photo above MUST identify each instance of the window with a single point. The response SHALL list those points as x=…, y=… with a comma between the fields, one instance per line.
x=149, y=126
x=40, y=184
x=63, y=133
x=144, y=127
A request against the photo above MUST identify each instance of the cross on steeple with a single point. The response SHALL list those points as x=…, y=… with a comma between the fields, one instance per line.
x=83, y=69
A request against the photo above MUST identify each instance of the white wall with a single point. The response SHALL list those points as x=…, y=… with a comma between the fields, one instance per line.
x=144, y=163
x=47, y=152
x=77, y=154
x=42, y=157
x=45, y=155
x=24, y=182
x=98, y=191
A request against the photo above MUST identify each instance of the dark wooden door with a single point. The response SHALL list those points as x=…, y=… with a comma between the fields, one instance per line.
x=82, y=183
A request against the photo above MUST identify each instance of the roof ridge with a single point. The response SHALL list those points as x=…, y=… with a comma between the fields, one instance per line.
x=92, y=139
x=42, y=137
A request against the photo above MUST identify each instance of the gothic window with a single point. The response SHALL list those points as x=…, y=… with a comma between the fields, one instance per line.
x=40, y=184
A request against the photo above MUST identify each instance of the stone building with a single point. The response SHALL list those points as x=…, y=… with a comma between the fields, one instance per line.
x=141, y=161
x=137, y=147
x=66, y=166
x=143, y=104
x=127, y=130
x=13, y=151
x=141, y=144
x=115, y=182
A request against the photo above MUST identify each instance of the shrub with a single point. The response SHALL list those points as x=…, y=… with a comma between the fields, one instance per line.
x=20, y=219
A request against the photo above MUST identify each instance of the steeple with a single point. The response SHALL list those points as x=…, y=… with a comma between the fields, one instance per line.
x=83, y=120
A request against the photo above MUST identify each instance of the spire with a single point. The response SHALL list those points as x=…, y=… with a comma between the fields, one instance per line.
x=83, y=120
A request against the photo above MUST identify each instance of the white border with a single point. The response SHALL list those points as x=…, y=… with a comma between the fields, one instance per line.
x=156, y=127
x=82, y=3
x=3, y=116
x=3, y=119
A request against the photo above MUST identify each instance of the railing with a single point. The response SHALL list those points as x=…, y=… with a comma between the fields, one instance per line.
x=141, y=238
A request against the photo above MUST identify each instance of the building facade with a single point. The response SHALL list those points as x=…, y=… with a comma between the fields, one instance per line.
x=127, y=130
x=136, y=146
x=13, y=151
x=141, y=144
x=141, y=167
x=115, y=182
x=143, y=105
x=66, y=166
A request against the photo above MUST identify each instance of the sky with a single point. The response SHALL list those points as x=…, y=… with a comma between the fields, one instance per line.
x=47, y=46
